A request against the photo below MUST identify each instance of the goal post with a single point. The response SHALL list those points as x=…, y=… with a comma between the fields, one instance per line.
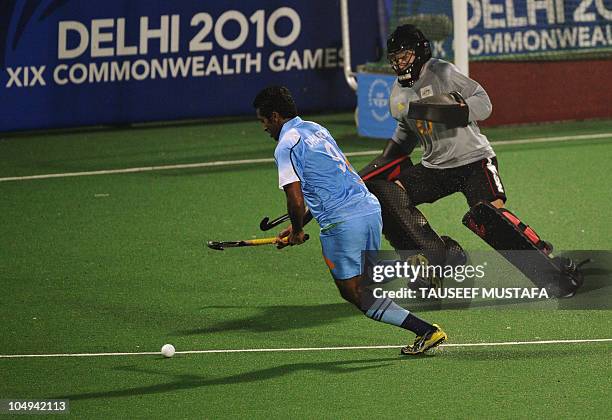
x=460, y=34
x=444, y=22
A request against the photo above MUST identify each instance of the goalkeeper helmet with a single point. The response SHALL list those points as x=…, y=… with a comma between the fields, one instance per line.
x=407, y=51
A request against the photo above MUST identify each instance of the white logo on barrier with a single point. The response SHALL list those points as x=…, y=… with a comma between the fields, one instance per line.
x=175, y=46
x=378, y=99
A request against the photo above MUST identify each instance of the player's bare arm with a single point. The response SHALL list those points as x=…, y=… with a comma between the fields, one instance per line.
x=296, y=210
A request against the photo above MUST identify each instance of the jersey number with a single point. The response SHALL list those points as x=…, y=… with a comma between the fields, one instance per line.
x=336, y=155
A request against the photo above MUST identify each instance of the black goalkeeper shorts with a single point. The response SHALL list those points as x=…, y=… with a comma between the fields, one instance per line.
x=476, y=181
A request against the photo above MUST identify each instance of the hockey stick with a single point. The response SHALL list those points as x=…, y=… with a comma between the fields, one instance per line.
x=267, y=224
x=221, y=245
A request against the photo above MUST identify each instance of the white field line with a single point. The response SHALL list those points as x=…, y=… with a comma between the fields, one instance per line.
x=270, y=160
x=302, y=349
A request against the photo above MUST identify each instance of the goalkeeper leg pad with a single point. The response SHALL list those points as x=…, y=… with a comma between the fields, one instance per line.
x=505, y=232
x=404, y=225
x=455, y=255
x=389, y=164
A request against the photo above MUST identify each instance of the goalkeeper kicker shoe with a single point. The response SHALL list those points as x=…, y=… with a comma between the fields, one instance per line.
x=572, y=275
x=422, y=343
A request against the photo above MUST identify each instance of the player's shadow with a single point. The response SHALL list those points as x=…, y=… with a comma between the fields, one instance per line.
x=191, y=381
x=276, y=318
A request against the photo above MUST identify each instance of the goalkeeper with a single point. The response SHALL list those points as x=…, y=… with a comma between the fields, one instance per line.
x=438, y=107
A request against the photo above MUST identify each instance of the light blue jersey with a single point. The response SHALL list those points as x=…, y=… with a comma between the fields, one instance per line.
x=333, y=191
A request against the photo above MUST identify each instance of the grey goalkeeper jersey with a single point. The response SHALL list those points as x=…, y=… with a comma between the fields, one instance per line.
x=442, y=148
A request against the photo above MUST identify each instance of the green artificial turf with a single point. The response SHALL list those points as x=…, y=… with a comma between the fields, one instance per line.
x=117, y=263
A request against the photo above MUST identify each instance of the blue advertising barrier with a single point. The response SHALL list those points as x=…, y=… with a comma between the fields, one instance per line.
x=373, y=115
x=523, y=29
x=73, y=63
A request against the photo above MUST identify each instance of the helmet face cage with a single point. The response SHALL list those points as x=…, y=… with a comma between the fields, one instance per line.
x=407, y=51
x=400, y=60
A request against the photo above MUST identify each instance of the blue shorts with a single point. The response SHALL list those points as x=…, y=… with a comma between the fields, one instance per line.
x=343, y=243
